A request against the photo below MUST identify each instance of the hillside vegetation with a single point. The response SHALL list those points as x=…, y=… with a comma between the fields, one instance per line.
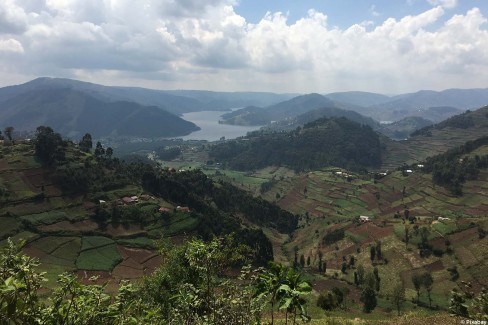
x=437, y=138
x=325, y=142
x=81, y=211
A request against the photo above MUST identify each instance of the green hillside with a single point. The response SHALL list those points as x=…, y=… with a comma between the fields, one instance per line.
x=87, y=212
x=325, y=142
x=436, y=139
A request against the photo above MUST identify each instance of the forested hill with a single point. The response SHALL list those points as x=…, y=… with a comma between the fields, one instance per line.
x=73, y=113
x=324, y=142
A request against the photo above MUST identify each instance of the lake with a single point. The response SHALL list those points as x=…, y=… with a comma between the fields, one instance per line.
x=211, y=130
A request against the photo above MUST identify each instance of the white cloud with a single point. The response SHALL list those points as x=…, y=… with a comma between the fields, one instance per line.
x=11, y=46
x=449, y=4
x=206, y=44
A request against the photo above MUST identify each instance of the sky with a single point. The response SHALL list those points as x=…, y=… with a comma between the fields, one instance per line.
x=298, y=46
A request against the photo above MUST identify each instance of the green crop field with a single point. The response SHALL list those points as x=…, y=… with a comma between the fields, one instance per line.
x=45, y=218
x=98, y=253
x=139, y=242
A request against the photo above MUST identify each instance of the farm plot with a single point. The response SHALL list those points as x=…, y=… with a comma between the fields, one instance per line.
x=98, y=253
x=9, y=227
x=136, y=263
x=45, y=218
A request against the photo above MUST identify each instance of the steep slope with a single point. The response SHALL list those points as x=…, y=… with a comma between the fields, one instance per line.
x=438, y=138
x=73, y=113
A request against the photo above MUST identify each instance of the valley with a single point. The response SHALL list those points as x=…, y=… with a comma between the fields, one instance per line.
x=325, y=193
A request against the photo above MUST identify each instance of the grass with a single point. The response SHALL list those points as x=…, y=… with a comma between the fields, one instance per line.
x=139, y=242
x=98, y=253
x=45, y=218
x=445, y=228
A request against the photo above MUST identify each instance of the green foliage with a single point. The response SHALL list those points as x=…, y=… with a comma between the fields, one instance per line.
x=368, y=298
x=398, y=297
x=86, y=143
x=330, y=300
x=190, y=287
x=451, y=169
x=466, y=303
x=19, y=283
x=331, y=237
x=284, y=287
x=49, y=146
x=325, y=142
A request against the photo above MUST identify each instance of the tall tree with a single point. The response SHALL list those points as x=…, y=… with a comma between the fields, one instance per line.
x=428, y=283
x=417, y=283
x=372, y=253
x=379, y=254
x=360, y=271
x=398, y=296
x=86, y=143
x=368, y=298
x=99, y=151
x=49, y=146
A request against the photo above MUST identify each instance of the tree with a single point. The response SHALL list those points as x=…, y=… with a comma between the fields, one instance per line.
x=428, y=282
x=377, y=278
x=86, y=143
x=292, y=292
x=269, y=283
x=344, y=267
x=379, y=254
x=368, y=298
x=9, y=130
x=372, y=253
x=99, y=151
x=352, y=261
x=360, y=272
x=398, y=297
x=417, y=283
x=302, y=261
x=321, y=255
x=49, y=146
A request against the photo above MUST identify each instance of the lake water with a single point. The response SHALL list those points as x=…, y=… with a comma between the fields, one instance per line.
x=211, y=130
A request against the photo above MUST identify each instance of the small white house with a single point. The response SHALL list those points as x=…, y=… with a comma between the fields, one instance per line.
x=364, y=219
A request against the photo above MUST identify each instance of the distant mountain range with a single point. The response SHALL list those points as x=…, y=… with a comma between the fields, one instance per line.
x=73, y=113
x=73, y=107
x=432, y=105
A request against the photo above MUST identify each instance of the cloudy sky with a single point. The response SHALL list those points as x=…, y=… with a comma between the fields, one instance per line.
x=386, y=46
